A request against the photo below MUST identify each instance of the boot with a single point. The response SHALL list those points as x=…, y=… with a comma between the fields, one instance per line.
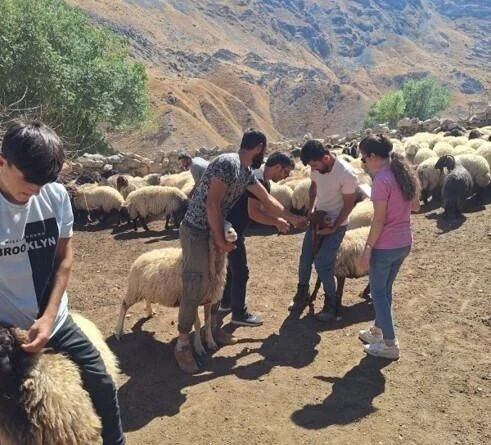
x=301, y=298
x=328, y=313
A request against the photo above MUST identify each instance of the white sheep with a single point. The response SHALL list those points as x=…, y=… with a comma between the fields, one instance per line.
x=177, y=179
x=423, y=154
x=282, y=193
x=347, y=265
x=361, y=215
x=156, y=277
x=152, y=178
x=155, y=200
x=443, y=148
x=478, y=167
x=42, y=399
x=300, y=198
x=485, y=151
x=101, y=198
x=430, y=179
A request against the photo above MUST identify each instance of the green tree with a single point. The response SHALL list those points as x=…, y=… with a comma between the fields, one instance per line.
x=422, y=99
x=53, y=57
x=388, y=110
x=425, y=98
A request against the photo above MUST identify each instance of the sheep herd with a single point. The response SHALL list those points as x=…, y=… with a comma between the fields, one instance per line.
x=452, y=168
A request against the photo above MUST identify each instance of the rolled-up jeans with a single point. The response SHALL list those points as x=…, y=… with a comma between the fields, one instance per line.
x=384, y=266
x=195, y=273
x=324, y=262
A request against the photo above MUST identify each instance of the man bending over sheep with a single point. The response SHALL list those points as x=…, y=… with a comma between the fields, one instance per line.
x=196, y=166
x=36, y=259
x=333, y=191
x=277, y=167
x=224, y=181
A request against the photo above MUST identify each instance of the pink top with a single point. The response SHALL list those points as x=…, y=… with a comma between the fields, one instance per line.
x=396, y=232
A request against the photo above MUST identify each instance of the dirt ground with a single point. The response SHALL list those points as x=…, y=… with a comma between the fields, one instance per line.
x=296, y=380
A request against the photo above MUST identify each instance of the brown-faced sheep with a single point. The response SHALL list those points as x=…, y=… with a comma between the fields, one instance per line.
x=42, y=400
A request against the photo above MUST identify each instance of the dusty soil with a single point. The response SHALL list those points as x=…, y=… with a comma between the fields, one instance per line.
x=297, y=381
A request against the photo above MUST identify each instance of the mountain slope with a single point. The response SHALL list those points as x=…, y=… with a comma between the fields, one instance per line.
x=290, y=66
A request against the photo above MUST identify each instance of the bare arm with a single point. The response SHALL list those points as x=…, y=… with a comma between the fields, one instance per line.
x=216, y=194
x=312, y=196
x=348, y=204
x=40, y=331
x=262, y=217
x=272, y=206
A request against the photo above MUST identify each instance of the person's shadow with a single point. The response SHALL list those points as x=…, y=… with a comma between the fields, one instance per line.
x=351, y=398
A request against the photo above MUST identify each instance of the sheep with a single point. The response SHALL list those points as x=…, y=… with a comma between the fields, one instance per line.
x=152, y=178
x=176, y=180
x=423, y=154
x=361, y=215
x=113, y=180
x=485, y=151
x=156, y=277
x=155, y=200
x=99, y=198
x=463, y=149
x=429, y=178
x=283, y=194
x=457, y=186
x=42, y=398
x=443, y=148
x=300, y=198
x=346, y=265
x=476, y=165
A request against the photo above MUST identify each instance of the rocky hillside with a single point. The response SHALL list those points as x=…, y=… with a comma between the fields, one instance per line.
x=291, y=66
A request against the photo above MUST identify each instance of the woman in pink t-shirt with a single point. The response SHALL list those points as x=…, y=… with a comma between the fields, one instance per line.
x=395, y=192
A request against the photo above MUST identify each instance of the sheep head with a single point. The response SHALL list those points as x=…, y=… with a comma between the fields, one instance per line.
x=445, y=161
x=13, y=360
x=229, y=232
x=320, y=219
x=121, y=182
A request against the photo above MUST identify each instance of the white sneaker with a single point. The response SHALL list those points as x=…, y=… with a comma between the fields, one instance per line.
x=371, y=335
x=382, y=350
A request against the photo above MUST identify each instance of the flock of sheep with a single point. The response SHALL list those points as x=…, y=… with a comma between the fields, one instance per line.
x=448, y=166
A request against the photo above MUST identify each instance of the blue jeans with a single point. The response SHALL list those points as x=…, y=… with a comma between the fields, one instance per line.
x=324, y=262
x=384, y=266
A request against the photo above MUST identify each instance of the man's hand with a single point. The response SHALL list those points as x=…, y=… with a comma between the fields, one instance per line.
x=38, y=334
x=299, y=222
x=282, y=225
x=225, y=246
x=328, y=230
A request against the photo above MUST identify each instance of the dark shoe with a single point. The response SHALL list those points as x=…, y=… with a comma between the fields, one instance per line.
x=185, y=359
x=247, y=319
x=224, y=308
x=326, y=315
x=224, y=338
x=301, y=298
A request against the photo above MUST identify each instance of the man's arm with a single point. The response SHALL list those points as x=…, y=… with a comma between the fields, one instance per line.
x=216, y=194
x=40, y=331
x=312, y=196
x=273, y=206
x=258, y=215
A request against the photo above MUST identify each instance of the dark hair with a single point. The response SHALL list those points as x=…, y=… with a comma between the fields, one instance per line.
x=404, y=174
x=35, y=149
x=280, y=158
x=313, y=150
x=184, y=156
x=252, y=138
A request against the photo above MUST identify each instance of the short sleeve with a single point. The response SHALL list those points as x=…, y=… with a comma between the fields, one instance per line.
x=223, y=169
x=348, y=185
x=380, y=189
x=66, y=227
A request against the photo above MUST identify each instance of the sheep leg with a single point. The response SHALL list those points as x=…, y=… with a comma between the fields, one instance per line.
x=210, y=341
x=167, y=220
x=366, y=293
x=339, y=296
x=135, y=224
x=198, y=345
x=122, y=314
x=148, y=309
x=313, y=296
x=144, y=224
